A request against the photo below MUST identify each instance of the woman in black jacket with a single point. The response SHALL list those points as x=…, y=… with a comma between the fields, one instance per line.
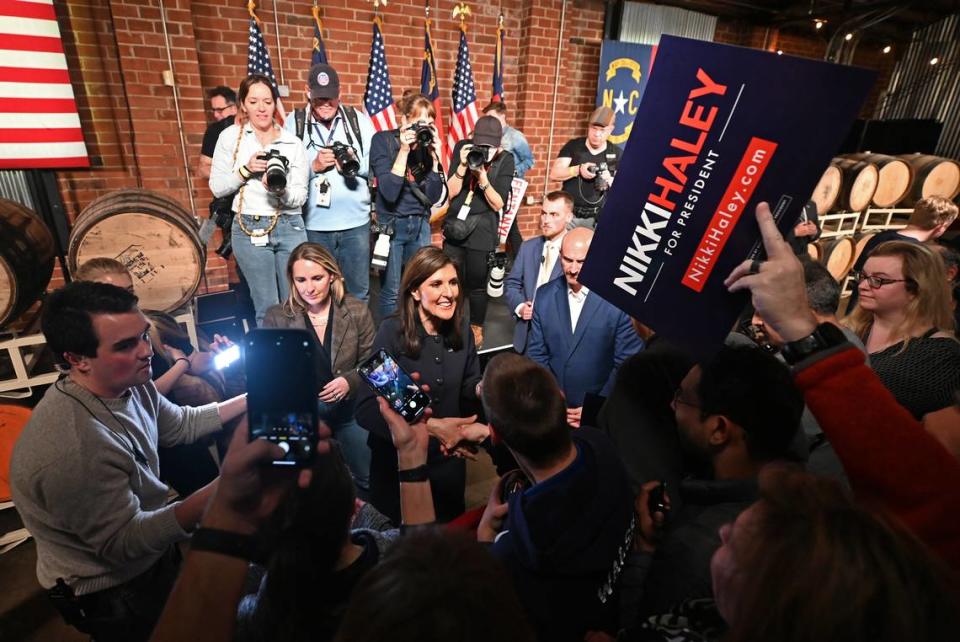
x=428, y=335
x=470, y=229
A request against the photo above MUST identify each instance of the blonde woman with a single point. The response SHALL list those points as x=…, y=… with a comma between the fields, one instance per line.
x=344, y=330
x=267, y=222
x=905, y=320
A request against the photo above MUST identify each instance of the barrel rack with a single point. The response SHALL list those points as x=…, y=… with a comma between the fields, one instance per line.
x=24, y=351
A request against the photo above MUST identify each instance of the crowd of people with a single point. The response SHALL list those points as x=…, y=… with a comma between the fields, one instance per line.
x=800, y=483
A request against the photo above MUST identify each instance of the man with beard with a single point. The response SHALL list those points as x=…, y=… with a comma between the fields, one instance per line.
x=735, y=412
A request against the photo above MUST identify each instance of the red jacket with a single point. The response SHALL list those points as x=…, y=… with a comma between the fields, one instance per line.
x=890, y=460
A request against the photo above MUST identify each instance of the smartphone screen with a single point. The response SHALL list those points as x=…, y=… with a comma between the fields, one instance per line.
x=226, y=357
x=282, y=391
x=382, y=372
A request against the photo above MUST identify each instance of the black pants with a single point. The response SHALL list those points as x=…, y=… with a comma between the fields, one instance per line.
x=125, y=613
x=473, y=271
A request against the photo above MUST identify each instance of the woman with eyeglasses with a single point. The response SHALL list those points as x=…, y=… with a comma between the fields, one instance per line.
x=904, y=318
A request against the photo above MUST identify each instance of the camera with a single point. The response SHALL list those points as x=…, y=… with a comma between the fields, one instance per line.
x=381, y=249
x=497, y=264
x=221, y=213
x=596, y=168
x=424, y=134
x=346, y=158
x=276, y=171
x=477, y=156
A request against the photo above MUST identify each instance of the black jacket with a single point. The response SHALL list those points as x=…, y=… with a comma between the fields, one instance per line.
x=564, y=540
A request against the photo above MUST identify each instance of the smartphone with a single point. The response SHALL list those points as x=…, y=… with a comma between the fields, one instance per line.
x=382, y=373
x=226, y=358
x=282, y=391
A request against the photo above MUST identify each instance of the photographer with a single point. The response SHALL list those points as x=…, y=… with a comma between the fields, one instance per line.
x=267, y=169
x=408, y=170
x=337, y=143
x=586, y=166
x=479, y=184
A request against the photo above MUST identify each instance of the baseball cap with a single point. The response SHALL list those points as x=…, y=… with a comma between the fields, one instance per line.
x=323, y=81
x=487, y=131
x=602, y=116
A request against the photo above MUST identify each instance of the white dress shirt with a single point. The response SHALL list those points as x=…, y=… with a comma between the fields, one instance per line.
x=225, y=178
x=551, y=251
x=576, y=301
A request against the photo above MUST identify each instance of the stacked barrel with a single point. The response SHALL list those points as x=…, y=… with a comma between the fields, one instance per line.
x=857, y=182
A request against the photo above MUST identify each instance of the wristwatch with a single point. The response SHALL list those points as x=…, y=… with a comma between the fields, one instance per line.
x=824, y=336
x=214, y=540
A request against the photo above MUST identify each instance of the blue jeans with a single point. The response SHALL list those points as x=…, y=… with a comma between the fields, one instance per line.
x=351, y=249
x=266, y=267
x=341, y=418
x=410, y=234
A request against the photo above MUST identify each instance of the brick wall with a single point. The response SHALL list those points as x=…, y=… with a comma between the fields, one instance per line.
x=117, y=54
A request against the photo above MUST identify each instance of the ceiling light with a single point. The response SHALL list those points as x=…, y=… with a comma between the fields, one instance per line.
x=849, y=36
x=819, y=23
x=934, y=60
x=887, y=49
x=779, y=52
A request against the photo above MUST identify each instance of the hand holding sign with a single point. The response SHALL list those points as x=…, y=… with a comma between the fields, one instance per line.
x=778, y=290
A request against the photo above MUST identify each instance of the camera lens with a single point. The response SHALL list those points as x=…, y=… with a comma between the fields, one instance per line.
x=476, y=157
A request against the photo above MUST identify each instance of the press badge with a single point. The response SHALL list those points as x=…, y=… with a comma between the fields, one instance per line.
x=260, y=241
x=323, y=191
x=465, y=208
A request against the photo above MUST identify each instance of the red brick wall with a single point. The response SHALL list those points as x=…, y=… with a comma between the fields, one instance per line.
x=116, y=54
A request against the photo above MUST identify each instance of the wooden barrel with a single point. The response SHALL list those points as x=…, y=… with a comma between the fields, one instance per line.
x=152, y=235
x=933, y=176
x=814, y=251
x=894, y=181
x=860, y=242
x=838, y=256
x=26, y=259
x=827, y=191
x=858, y=184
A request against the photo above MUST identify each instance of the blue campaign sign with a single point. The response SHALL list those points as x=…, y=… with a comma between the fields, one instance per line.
x=624, y=69
x=723, y=128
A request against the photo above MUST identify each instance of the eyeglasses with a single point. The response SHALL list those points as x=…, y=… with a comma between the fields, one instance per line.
x=678, y=400
x=220, y=110
x=876, y=282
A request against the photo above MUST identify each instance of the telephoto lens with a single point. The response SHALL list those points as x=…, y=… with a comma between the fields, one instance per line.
x=477, y=156
x=346, y=159
x=497, y=262
x=424, y=134
x=276, y=171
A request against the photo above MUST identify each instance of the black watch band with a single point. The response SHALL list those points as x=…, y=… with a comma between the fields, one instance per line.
x=826, y=335
x=214, y=540
x=418, y=474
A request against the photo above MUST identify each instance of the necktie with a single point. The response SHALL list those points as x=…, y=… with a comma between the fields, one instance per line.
x=546, y=268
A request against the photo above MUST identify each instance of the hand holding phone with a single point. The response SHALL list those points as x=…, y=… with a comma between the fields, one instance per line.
x=282, y=391
x=382, y=373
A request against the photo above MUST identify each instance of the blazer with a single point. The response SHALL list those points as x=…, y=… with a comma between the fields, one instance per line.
x=351, y=337
x=521, y=284
x=586, y=360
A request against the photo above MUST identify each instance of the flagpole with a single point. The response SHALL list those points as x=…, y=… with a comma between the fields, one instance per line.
x=556, y=83
x=276, y=32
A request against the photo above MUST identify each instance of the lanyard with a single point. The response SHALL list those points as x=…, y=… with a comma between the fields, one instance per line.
x=315, y=126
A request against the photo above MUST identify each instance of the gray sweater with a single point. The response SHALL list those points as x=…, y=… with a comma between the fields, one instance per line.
x=99, y=516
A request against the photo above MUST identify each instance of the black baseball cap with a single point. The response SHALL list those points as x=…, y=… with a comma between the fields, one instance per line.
x=487, y=131
x=323, y=81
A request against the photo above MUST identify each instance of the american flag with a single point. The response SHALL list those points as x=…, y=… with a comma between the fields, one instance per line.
x=319, y=49
x=464, y=96
x=258, y=59
x=498, y=66
x=378, y=97
x=39, y=123
x=430, y=88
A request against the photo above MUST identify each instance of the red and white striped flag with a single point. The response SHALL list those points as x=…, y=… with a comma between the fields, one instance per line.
x=39, y=123
x=378, y=97
x=465, y=114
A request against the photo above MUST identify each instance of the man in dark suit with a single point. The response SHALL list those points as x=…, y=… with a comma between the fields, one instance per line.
x=581, y=338
x=537, y=263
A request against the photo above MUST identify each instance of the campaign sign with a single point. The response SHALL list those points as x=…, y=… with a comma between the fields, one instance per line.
x=722, y=129
x=624, y=70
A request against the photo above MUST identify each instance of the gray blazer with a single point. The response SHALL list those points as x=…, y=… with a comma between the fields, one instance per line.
x=351, y=336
